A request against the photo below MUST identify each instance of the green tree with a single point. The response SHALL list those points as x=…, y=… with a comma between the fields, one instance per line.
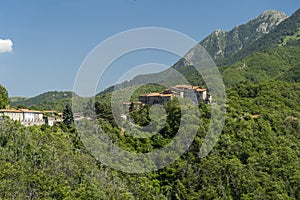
x=68, y=115
x=4, y=101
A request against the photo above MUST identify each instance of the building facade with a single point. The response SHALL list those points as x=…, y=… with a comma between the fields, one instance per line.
x=24, y=116
x=155, y=98
x=195, y=93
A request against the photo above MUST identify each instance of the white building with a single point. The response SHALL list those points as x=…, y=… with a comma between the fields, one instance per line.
x=24, y=116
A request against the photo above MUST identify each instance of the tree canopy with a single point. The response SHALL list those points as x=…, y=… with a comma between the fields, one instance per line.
x=4, y=101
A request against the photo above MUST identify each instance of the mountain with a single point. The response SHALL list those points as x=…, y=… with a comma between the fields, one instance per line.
x=287, y=33
x=227, y=48
x=273, y=56
x=222, y=44
x=47, y=99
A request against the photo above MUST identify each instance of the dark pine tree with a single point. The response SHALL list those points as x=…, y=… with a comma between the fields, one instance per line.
x=68, y=115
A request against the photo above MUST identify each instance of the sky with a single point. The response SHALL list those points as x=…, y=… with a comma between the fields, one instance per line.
x=44, y=43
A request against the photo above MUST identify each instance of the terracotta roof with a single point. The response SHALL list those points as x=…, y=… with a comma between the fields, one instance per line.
x=50, y=111
x=10, y=110
x=184, y=86
x=152, y=94
x=166, y=95
x=157, y=95
x=20, y=111
x=30, y=111
x=201, y=89
x=169, y=92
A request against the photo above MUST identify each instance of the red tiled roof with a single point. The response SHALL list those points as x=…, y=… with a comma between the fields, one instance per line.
x=166, y=95
x=20, y=111
x=50, y=111
x=156, y=94
x=184, y=86
x=201, y=89
x=10, y=110
x=30, y=111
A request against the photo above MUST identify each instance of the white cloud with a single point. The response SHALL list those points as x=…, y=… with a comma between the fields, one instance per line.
x=5, y=45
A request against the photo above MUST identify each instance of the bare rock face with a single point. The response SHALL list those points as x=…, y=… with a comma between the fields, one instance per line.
x=222, y=44
x=269, y=19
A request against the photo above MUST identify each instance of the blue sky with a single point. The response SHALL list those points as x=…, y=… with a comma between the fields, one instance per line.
x=52, y=38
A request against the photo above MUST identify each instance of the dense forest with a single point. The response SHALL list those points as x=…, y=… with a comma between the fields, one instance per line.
x=257, y=155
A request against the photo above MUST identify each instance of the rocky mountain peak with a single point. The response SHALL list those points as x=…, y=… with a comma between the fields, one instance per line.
x=268, y=20
x=219, y=32
x=222, y=44
x=273, y=14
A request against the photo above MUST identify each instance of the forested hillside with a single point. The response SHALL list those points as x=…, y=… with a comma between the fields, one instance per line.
x=257, y=155
x=280, y=63
x=44, y=98
x=55, y=100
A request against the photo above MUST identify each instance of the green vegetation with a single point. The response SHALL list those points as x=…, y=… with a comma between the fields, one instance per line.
x=256, y=157
x=290, y=39
x=274, y=64
x=68, y=116
x=57, y=105
x=4, y=101
x=280, y=63
x=47, y=101
x=46, y=163
x=14, y=99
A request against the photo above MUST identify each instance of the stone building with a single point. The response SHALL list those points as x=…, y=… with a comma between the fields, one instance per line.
x=130, y=106
x=52, y=117
x=155, y=98
x=195, y=93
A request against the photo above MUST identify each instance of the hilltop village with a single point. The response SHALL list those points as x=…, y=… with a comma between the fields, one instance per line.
x=195, y=93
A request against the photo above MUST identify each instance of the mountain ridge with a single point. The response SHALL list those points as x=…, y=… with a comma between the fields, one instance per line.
x=286, y=33
x=220, y=43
